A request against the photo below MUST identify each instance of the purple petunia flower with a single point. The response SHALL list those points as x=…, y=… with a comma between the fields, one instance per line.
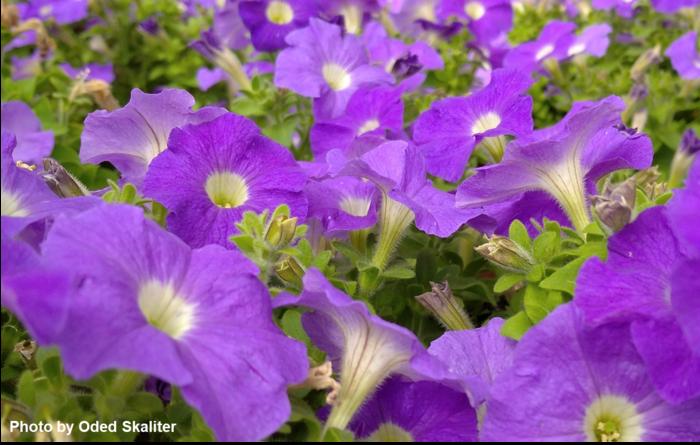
x=425, y=411
x=342, y=204
x=365, y=348
x=684, y=56
x=33, y=144
x=132, y=136
x=551, y=43
x=683, y=209
x=671, y=6
x=351, y=12
x=91, y=71
x=593, y=40
x=200, y=319
x=370, y=111
x=213, y=172
x=570, y=382
x=486, y=19
x=323, y=64
x=643, y=281
x=555, y=166
x=26, y=67
x=412, y=12
x=476, y=357
x=228, y=26
x=448, y=132
x=269, y=21
x=62, y=11
x=623, y=8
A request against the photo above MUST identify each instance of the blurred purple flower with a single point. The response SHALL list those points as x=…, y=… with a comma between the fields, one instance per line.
x=552, y=42
x=623, y=8
x=33, y=144
x=593, y=40
x=684, y=56
x=92, y=71
x=269, y=21
x=486, y=19
x=671, y=6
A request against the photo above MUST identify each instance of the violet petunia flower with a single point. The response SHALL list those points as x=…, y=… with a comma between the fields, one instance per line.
x=26, y=67
x=342, y=204
x=646, y=281
x=408, y=411
x=407, y=20
x=33, y=144
x=570, y=382
x=448, y=132
x=684, y=56
x=213, y=172
x=370, y=111
x=91, y=71
x=555, y=168
x=269, y=21
x=593, y=40
x=63, y=12
x=228, y=26
x=671, y=6
x=142, y=300
x=351, y=12
x=323, y=64
x=476, y=357
x=486, y=19
x=363, y=347
x=552, y=42
x=683, y=208
x=132, y=136
x=623, y=8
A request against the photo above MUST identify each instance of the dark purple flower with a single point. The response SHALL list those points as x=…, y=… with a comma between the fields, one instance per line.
x=553, y=42
x=690, y=143
x=684, y=56
x=213, y=172
x=143, y=300
x=555, y=166
x=91, y=71
x=570, y=382
x=269, y=21
x=486, y=18
x=33, y=144
x=323, y=64
x=159, y=388
x=365, y=348
x=370, y=111
x=448, y=132
x=476, y=357
x=132, y=136
x=638, y=284
x=671, y=6
x=150, y=25
x=425, y=411
x=624, y=8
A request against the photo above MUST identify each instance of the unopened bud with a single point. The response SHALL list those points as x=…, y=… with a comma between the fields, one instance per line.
x=27, y=350
x=443, y=305
x=685, y=154
x=648, y=58
x=506, y=254
x=290, y=271
x=281, y=231
x=614, y=208
x=10, y=15
x=60, y=181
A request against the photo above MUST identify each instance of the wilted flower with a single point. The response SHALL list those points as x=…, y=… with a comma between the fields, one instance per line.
x=442, y=304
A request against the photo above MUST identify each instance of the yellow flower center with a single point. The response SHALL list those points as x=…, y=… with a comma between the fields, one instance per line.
x=368, y=126
x=335, y=76
x=612, y=418
x=226, y=189
x=474, y=10
x=10, y=205
x=165, y=310
x=388, y=432
x=279, y=12
x=544, y=52
x=355, y=206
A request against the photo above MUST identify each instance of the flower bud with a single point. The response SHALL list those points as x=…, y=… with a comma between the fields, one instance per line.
x=290, y=271
x=644, y=62
x=506, y=254
x=60, y=181
x=443, y=305
x=281, y=231
x=686, y=152
x=614, y=208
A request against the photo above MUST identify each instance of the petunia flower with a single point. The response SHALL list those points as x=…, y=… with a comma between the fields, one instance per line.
x=405, y=411
x=684, y=56
x=33, y=144
x=365, y=348
x=352, y=12
x=91, y=71
x=552, y=42
x=486, y=19
x=448, y=132
x=476, y=357
x=213, y=172
x=683, y=209
x=671, y=6
x=569, y=382
x=593, y=40
x=132, y=136
x=370, y=111
x=142, y=300
x=323, y=64
x=407, y=19
x=269, y=21
x=646, y=281
x=63, y=12
x=556, y=166
x=623, y=8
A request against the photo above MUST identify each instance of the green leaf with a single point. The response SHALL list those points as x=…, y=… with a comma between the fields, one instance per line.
x=426, y=266
x=144, y=404
x=516, y=326
x=399, y=272
x=564, y=278
x=507, y=281
x=546, y=246
x=539, y=302
x=336, y=435
x=25, y=389
x=518, y=233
